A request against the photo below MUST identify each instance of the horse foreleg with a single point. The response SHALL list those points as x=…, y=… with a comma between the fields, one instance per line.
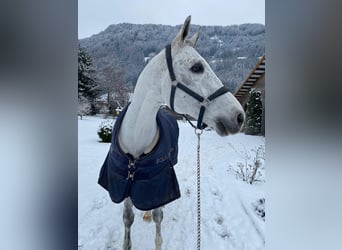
x=128, y=218
x=157, y=218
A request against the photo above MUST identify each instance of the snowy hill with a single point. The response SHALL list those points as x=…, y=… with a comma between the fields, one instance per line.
x=229, y=219
x=129, y=47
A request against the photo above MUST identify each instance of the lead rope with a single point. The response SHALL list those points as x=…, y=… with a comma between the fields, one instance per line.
x=198, y=132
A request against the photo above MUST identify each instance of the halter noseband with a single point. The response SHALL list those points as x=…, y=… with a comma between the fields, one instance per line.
x=205, y=101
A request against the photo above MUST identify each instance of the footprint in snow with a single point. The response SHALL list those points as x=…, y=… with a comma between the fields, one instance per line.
x=98, y=204
x=221, y=229
x=112, y=239
x=219, y=220
x=216, y=193
x=187, y=192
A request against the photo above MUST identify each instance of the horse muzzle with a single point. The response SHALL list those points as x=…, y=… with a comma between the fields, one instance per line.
x=224, y=126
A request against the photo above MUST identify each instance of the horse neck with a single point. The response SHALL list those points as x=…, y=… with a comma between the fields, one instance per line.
x=139, y=128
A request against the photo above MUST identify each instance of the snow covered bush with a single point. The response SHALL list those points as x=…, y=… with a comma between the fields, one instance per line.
x=105, y=130
x=252, y=170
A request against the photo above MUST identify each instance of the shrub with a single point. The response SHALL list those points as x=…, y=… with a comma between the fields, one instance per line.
x=252, y=170
x=105, y=130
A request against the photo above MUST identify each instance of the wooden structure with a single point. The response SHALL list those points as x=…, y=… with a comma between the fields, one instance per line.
x=255, y=80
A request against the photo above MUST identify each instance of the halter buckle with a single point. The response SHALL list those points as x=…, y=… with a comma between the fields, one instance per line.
x=206, y=102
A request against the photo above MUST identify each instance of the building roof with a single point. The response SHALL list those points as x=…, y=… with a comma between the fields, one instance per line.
x=252, y=79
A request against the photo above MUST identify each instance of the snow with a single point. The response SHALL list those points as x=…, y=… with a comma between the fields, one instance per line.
x=214, y=38
x=217, y=61
x=228, y=216
x=103, y=98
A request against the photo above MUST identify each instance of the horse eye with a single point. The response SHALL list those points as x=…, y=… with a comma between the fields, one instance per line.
x=197, y=68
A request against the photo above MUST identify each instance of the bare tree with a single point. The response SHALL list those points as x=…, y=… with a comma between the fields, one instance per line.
x=83, y=106
x=113, y=84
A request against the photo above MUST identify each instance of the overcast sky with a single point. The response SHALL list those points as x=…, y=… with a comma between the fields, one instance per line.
x=96, y=15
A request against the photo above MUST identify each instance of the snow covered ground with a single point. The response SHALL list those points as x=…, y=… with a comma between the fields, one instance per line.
x=229, y=220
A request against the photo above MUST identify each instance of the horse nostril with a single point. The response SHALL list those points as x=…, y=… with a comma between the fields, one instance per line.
x=240, y=119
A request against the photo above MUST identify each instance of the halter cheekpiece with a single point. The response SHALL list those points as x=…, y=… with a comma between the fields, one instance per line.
x=205, y=101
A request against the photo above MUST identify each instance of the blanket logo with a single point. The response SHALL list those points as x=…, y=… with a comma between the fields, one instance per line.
x=166, y=157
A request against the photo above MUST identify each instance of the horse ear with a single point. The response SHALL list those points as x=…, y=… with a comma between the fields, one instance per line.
x=193, y=40
x=183, y=33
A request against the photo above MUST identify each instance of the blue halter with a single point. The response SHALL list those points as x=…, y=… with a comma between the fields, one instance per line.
x=205, y=101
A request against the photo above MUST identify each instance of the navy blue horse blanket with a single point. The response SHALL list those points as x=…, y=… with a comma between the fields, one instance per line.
x=150, y=180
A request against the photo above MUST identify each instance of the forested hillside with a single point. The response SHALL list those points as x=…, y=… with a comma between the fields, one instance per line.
x=121, y=51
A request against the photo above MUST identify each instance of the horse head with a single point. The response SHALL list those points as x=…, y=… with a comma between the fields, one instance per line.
x=199, y=90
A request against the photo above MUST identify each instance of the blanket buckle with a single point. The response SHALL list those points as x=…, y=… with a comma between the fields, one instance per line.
x=131, y=170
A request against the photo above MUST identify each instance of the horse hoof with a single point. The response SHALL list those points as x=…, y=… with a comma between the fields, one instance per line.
x=147, y=216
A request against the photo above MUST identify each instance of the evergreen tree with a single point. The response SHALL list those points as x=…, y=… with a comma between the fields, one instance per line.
x=87, y=86
x=254, y=113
